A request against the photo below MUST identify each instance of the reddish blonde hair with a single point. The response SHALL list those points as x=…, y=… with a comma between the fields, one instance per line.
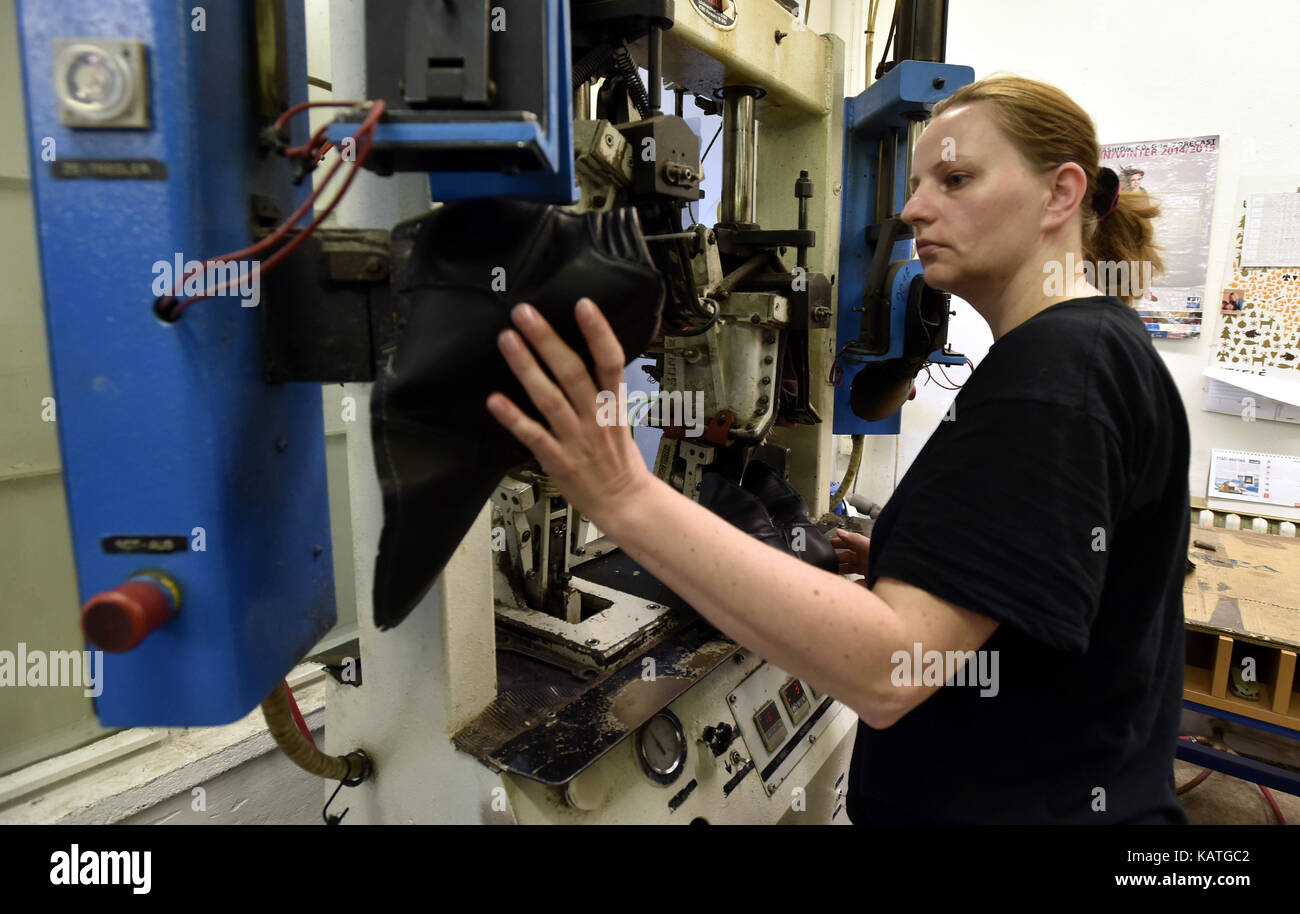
x=1048, y=129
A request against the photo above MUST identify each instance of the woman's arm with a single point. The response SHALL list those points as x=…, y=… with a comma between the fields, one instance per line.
x=814, y=624
x=811, y=623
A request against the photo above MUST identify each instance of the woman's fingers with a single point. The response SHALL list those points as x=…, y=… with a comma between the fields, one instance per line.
x=606, y=351
x=549, y=399
x=531, y=434
x=565, y=364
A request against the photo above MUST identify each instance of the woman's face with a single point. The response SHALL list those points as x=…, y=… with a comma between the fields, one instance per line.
x=976, y=207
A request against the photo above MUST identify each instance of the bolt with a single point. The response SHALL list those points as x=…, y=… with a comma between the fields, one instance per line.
x=767, y=360
x=373, y=265
x=609, y=139
x=779, y=35
x=938, y=82
x=593, y=641
x=731, y=698
x=652, y=606
x=754, y=318
x=581, y=550
x=765, y=381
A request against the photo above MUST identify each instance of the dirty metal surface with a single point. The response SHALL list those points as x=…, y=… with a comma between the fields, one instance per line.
x=548, y=726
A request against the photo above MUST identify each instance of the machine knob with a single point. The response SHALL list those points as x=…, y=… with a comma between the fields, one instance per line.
x=719, y=738
x=119, y=619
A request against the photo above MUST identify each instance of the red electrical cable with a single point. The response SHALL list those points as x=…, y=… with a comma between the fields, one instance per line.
x=306, y=149
x=937, y=382
x=297, y=715
x=948, y=379
x=270, y=240
x=366, y=132
x=303, y=106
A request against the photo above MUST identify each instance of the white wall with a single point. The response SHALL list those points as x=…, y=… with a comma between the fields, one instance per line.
x=1144, y=70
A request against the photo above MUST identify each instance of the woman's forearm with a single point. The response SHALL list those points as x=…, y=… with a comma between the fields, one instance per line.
x=812, y=623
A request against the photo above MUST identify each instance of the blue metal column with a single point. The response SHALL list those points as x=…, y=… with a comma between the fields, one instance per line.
x=868, y=120
x=173, y=447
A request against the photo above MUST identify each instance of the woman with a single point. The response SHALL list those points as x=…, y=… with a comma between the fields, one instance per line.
x=1040, y=536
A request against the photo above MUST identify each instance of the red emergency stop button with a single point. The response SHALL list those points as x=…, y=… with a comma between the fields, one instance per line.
x=119, y=619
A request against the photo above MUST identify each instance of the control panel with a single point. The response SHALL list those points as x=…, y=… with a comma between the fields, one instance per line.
x=779, y=717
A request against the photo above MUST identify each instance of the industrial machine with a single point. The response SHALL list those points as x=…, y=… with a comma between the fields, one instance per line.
x=544, y=676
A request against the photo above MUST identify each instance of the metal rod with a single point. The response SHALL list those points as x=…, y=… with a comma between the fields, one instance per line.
x=914, y=129
x=803, y=190
x=885, y=175
x=655, y=68
x=739, y=155
x=672, y=236
x=582, y=102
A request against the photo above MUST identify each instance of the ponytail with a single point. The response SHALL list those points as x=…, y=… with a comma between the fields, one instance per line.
x=1125, y=236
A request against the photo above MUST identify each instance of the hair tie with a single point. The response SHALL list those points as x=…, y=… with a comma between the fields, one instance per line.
x=1106, y=198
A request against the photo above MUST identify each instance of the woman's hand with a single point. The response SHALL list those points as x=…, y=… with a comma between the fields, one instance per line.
x=596, y=465
x=852, y=550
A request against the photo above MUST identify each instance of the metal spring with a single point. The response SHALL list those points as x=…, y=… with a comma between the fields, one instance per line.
x=632, y=79
x=591, y=65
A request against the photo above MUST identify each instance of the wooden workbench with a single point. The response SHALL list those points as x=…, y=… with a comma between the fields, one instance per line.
x=1243, y=601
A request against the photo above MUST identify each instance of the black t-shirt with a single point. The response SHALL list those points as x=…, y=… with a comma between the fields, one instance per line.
x=1054, y=499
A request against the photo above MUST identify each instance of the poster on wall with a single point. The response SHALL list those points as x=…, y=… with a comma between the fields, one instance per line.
x=1181, y=175
x=1259, y=312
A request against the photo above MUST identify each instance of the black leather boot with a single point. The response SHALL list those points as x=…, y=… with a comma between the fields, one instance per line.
x=741, y=509
x=789, y=512
x=458, y=272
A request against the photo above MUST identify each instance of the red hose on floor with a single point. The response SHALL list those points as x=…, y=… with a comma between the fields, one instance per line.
x=1278, y=818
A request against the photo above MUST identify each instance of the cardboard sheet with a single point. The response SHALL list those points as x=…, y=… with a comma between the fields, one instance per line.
x=1248, y=587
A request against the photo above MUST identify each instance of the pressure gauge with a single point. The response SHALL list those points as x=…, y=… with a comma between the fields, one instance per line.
x=661, y=747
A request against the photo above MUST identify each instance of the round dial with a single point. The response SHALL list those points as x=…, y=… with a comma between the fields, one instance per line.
x=92, y=82
x=661, y=747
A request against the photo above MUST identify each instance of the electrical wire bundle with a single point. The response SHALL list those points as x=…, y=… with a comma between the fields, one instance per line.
x=170, y=307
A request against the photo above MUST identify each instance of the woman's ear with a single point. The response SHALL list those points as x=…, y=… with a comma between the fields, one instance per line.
x=1068, y=188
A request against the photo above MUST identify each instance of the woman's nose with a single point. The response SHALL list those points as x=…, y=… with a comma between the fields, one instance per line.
x=915, y=209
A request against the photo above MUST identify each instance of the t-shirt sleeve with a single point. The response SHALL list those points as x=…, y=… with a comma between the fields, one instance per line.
x=1012, y=517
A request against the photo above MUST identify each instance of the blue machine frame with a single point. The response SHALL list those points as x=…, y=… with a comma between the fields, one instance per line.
x=555, y=184
x=168, y=429
x=868, y=121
